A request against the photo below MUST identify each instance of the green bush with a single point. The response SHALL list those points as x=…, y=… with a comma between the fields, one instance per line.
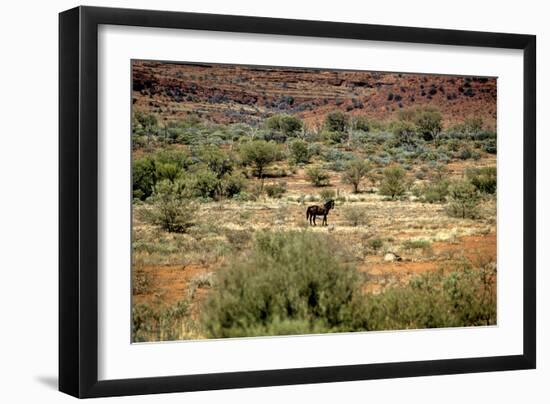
x=144, y=177
x=375, y=244
x=355, y=172
x=416, y=244
x=259, y=154
x=171, y=209
x=393, y=182
x=289, y=125
x=464, y=199
x=280, y=290
x=204, y=183
x=355, y=215
x=327, y=194
x=404, y=134
x=428, y=123
x=336, y=121
x=484, y=179
x=317, y=176
x=461, y=298
x=167, y=171
x=490, y=146
x=299, y=151
x=275, y=190
x=361, y=123
x=435, y=191
x=216, y=159
x=233, y=184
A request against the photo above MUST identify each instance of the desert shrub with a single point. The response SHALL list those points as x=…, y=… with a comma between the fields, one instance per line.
x=159, y=324
x=375, y=244
x=355, y=172
x=314, y=149
x=289, y=125
x=490, y=146
x=238, y=239
x=336, y=121
x=463, y=200
x=332, y=154
x=299, y=151
x=428, y=123
x=204, y=183
x=275, y=190
x=334, y=136
x=277, y=289
x=435, y=191
x=143, y=177
x=416, y=245
x=171, y=209
x=216, y=159
x=393, y=182
x=355, y=215
x=361, y=123
x=317, y=176
x=260, y=154
x=145, y=124
x=484, y=179
x=233, y=184
x=327, y=194
x=404, y=134
x=167, y=171
x=464, y=297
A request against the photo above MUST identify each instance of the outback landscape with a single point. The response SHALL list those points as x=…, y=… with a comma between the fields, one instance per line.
x=228, y=160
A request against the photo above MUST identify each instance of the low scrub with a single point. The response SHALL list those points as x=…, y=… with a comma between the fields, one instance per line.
x=317, y=176
x=291, y=283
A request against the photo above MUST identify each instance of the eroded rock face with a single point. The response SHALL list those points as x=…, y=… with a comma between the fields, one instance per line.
x=232, y=93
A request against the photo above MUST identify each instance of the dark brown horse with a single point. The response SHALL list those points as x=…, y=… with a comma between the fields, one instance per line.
x=313, y=211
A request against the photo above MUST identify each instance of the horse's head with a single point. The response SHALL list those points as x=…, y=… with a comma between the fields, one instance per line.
x=329, y=204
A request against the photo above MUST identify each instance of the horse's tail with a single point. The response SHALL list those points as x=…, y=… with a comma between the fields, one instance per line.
x=307, y=214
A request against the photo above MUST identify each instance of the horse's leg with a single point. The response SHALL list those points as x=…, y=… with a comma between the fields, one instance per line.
x=314, y=222
x=325, y=220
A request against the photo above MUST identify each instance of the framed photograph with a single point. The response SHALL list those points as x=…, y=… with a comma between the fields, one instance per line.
x=251, y=201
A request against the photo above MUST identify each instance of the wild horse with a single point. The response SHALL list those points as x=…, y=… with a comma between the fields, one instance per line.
x=313, y=211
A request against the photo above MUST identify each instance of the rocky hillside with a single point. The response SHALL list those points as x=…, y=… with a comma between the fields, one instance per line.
x=234, y=93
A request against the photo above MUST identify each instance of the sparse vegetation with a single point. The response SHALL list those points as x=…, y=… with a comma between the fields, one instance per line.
x=393, y=182
x=223, y=174
x=317, y=176
x=356, y=171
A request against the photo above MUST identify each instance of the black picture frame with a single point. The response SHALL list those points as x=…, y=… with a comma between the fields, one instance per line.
x=78, y=201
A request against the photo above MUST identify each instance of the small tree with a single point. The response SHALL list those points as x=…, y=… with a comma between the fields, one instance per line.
x=404, y=133
x=299, y=151
x=259, y=154
x=393, y=182
x=464, y=199
x=428, y=122
x=317, y=176
x=147, y=122
x=484, y=179
x=336, y=121
x=355, y=172
x=171, y=210
x=144, y=177
x=287, y=124
x=216, y=159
